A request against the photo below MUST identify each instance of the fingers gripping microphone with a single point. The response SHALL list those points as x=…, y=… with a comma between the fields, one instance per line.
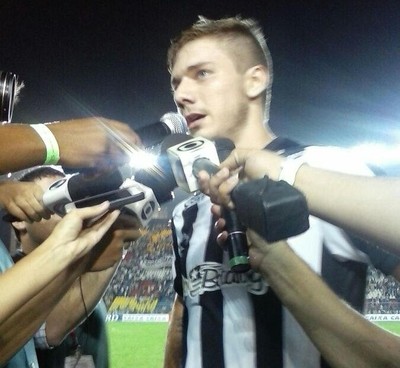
x=194, y=155
x=236, y=242
x=170, y=123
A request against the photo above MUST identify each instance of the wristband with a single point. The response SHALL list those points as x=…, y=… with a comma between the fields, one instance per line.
x=52, y=149
x=290, y=166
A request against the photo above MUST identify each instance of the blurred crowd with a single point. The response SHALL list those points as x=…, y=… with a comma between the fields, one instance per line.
x=143, y=283
x=383, y=294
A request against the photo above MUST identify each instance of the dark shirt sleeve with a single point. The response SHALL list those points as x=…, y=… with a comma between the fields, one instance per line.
x=382, y=260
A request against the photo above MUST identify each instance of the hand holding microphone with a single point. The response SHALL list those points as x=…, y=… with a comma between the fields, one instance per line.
x=274, y=209
x=188, y=157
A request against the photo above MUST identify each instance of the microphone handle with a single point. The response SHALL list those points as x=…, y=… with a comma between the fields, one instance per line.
x=236, y=243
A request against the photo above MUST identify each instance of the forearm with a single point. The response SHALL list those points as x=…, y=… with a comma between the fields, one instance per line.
x=343, y=337
x=26, y=320
x=173, y=347
x=20, y=147
x=45, y=263
x=31, y=288
x=79, y=301
x=360, y=204
x=364, y=205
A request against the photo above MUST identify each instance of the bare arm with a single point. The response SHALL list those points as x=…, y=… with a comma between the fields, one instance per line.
x=104, y=260
x=344, y=337
x=72, y=308
x=173, y=347
x=82, y=143
x=55, y=265
x=367, y=206
x=21, y=325
x=15, y=155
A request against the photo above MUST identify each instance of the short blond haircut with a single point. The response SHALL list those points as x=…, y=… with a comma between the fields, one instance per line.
x=239, y=36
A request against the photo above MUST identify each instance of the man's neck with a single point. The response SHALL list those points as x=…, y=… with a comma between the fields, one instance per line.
x=255, y=136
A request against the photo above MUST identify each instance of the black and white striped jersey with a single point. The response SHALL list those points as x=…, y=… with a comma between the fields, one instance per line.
x=235, y=320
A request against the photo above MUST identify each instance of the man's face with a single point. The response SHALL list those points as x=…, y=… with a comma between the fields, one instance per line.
x=209, y=90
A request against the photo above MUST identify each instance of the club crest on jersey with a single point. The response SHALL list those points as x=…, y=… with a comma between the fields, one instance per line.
x=211, y=276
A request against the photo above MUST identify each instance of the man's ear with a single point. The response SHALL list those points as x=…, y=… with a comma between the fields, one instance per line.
x=257, y=80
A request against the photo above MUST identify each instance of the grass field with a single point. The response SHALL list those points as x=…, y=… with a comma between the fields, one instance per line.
x=390, y=326
x=136, y=345
x=141, y=345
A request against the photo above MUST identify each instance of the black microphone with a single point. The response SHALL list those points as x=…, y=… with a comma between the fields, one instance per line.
x=159, y=178
x=80, y=186
x=170, y=123
x=188, y=157
x=274, y=209
x=236, y=243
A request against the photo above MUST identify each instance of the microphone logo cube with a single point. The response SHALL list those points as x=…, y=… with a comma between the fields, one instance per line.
x=183, y=155
x=144, y=209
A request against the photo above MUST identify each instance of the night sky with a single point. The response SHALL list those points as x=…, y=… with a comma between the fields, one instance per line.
x=336, y=65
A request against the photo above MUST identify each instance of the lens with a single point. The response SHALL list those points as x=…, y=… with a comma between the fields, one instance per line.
x=8, y=83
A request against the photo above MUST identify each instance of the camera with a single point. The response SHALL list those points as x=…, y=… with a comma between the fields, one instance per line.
x=8, y=90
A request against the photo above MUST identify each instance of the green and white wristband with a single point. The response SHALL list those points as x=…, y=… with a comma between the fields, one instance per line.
x=52, y=149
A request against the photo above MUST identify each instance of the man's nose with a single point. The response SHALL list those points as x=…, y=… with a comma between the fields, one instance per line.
x=184, y=93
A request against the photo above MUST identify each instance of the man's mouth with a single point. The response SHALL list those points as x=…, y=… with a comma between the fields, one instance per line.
x=191, y=119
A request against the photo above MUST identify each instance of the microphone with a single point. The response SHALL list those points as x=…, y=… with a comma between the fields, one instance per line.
x=274, y=209
x=183, y=151
x=77, y=191
x=159, y=178
x=143, y=209
x=76, y=187
x=187, y=158
x=170, y=123
x=89, y=189
x=132, y=198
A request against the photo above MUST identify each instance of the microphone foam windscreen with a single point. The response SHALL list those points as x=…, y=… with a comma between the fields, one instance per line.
x=175, y=122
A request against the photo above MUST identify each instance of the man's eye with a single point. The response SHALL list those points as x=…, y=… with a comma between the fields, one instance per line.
x=203, y=73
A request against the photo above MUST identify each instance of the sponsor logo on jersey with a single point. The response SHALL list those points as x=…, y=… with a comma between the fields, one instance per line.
x=211, y=276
